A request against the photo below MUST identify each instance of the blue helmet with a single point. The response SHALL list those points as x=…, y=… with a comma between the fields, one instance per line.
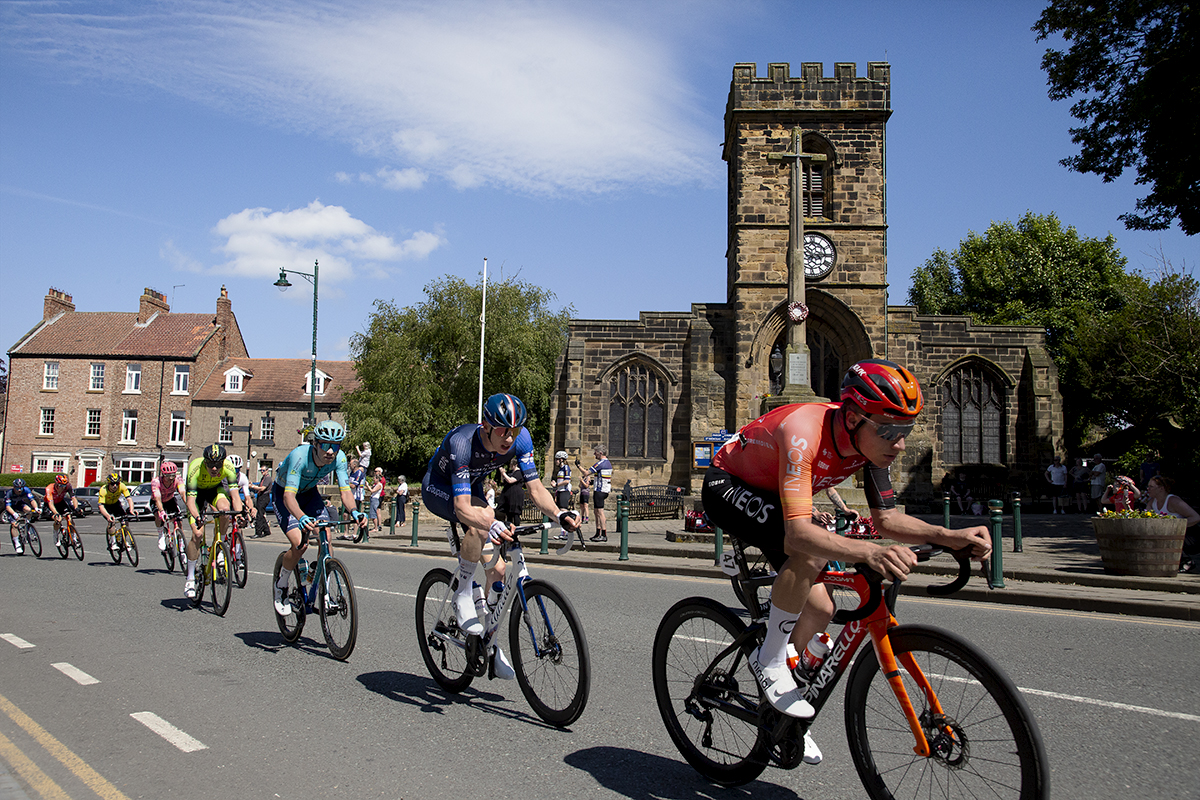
x=504, y=411
x=18, y=484
x=329, y=431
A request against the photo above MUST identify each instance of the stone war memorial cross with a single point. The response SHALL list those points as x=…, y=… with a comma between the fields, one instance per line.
x=797, y=383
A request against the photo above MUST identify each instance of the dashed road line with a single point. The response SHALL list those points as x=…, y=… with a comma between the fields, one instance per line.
x=75, y=673
x=169, y=732
x=16, y=641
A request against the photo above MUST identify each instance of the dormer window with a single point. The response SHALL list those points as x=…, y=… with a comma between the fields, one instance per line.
x=235, y=380
x=322, y=378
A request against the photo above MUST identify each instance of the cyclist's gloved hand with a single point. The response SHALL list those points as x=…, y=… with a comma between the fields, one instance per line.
x=569, y=520
x=307, y=522
x=359, y=516
x=498, y=532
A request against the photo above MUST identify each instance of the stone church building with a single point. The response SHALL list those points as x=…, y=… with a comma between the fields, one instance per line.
x=655, y=390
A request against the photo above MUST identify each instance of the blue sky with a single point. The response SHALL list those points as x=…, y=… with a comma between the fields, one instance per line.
x=186, y=145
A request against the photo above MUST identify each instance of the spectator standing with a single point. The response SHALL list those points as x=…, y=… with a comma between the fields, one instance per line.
x=512, y=496
x=358, y=482
x=601, y=473
x=1099, y=480
x=401, y=499
x=364, y=455
x=1080, y=477
x=585, y=494
x=562, y=480
x=1056, y=476
x=376, y=487
x=489, y=492
x=1121, y=495
x=262, y=496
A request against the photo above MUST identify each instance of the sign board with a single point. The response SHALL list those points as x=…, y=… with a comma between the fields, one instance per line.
x=16, y=468
x=797, y=369
x=702, y=453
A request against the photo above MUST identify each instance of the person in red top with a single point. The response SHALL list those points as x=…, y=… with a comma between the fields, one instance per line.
x=760, y=488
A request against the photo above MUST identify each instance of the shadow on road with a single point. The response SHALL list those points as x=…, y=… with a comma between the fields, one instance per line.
x=427, y=696
x=626, y=772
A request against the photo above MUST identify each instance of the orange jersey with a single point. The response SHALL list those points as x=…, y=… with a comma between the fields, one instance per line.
x=792, y=451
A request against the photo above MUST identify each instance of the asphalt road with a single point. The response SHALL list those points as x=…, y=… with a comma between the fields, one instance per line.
x=1117, y=698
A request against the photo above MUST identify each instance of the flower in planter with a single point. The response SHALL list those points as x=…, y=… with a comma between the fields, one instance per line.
x=1108, y=513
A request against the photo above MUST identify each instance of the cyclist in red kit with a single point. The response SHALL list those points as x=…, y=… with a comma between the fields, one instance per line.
x=760, y=488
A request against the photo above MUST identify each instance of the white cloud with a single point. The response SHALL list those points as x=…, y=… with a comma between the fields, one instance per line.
x=258, y=241
x=535, y=96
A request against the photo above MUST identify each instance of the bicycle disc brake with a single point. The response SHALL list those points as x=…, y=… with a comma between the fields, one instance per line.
x=476, y=661
x=948, y=742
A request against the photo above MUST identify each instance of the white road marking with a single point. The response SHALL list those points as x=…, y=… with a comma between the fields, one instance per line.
x=169, y=732
x=358, y=588
x=16, y=641
x=75, y=674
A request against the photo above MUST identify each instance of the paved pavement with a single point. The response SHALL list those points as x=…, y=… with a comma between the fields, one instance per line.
x=1059, y=566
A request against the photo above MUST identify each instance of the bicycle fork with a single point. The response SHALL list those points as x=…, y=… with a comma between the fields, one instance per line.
x=890, y=667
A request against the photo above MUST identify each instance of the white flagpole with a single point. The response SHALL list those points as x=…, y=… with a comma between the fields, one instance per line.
x=482, y=330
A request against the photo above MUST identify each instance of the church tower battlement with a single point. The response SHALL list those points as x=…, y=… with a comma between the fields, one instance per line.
x=845, y=91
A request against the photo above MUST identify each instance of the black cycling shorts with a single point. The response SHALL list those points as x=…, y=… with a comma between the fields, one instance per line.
x=754, y=516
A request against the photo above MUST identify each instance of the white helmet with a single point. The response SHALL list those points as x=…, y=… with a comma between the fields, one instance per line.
x=561, y=454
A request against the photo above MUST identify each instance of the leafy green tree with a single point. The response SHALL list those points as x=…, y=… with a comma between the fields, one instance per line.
x=1030, y=273
x=1138, y=368
x=1135, y=65
x=419, y=365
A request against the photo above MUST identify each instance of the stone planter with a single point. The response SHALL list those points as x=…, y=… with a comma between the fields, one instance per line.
x=1149, y=547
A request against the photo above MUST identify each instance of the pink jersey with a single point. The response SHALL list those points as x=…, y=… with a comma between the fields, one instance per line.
x=157, y=489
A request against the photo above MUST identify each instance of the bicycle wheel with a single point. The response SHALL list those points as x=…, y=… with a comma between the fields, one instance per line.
x=109, y=541
x=339, y=612
x=290, y=625
x=130, y=545
x=168, y=552
x=713, y=722
x=33, y=540
x=222, y=579
x=62, y=540
x=202, y=575
x=76, y=542
x=550, y=654
x=237, y=549
x=180, y=547
x=443, y=644
x=986, y=742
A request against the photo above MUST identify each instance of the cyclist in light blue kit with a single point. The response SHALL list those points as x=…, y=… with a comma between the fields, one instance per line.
x=453, y=490
x=298, y=504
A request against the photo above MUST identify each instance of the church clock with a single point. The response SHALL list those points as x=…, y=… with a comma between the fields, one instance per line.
x=819, y=256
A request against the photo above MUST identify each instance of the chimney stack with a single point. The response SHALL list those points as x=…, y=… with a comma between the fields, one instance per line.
x=151, y=303
x=57, y=302
x=225, y=320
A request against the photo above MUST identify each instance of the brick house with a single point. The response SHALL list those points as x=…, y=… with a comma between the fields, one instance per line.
x=256, y=406
x=652, y=390
x=91, y=392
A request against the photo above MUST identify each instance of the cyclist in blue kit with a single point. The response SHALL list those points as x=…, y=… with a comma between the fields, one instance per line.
x=453, y=490
x=299, y=505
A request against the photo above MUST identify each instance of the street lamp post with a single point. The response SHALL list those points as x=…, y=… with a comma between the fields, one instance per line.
x=283, y=285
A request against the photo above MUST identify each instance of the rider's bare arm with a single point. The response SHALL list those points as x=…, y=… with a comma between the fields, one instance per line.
x=803, y=538
x=547, y=504
x=896, y=525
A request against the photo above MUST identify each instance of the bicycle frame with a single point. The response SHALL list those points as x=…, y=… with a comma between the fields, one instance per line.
x=873, y=618
x=317, y=569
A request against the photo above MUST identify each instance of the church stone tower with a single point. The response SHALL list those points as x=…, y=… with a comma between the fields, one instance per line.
x=839, y=124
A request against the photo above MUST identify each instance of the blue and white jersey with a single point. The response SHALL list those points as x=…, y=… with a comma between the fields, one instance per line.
x=19, y=498
x=461, y=461
x=299, y=473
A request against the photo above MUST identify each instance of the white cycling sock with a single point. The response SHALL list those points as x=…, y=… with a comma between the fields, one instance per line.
x=282, y=583
x=779, y=632
x=466, y=573
x=191, y=570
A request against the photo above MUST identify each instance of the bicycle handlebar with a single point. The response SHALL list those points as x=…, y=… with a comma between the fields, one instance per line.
x=924, y=552
x=519, y=531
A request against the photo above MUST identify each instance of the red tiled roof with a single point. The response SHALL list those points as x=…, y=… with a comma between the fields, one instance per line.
x=278, y=380
x=116, y=334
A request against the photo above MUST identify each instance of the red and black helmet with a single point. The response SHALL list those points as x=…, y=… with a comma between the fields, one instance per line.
x=883, y=387
x=61, y=479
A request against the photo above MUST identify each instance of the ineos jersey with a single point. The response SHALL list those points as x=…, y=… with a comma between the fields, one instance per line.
x=461, y=459
x=791, y=450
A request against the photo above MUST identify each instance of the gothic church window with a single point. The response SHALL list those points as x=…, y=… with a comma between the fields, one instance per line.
x=972, y=417
x=637, y=413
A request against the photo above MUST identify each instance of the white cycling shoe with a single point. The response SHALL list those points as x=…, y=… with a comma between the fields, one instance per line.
x=282, y=607
x=468, y=618
x=504, y=670
x=780, y=689
x=189, y=590
x=162, y=543
x=812, y=753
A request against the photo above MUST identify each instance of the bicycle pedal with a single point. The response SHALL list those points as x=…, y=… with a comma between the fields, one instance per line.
x=476, y=662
